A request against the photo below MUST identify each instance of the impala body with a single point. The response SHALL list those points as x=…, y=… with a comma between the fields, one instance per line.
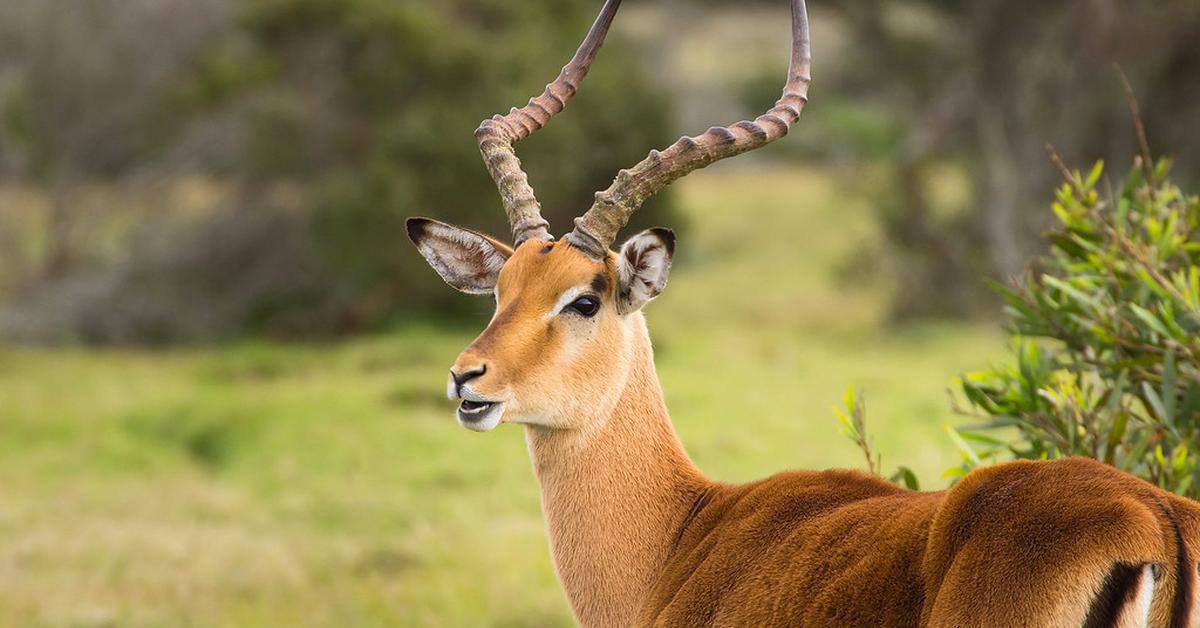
x=640, y=536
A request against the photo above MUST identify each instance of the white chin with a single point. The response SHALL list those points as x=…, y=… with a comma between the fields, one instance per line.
x=481, y=419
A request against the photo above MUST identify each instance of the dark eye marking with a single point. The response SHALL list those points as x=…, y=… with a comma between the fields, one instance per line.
x=585, y=306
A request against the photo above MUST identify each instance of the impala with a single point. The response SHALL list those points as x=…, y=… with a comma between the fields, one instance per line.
x=639, y=536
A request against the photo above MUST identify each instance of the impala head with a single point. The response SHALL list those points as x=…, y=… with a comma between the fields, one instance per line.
x=556, y=352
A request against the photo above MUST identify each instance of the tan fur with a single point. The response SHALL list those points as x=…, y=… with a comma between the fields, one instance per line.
x=640, y=537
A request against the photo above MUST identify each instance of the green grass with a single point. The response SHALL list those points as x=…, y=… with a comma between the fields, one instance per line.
x=267, y=485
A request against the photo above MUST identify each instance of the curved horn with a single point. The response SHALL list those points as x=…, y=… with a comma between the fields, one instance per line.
x=497, y=135
x=596, y=230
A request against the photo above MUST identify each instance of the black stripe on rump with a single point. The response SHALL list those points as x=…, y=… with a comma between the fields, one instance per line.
x=1185, y=573
x=1119, y=590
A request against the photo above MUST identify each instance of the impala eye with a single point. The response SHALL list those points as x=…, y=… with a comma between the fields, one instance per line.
x=584, y=306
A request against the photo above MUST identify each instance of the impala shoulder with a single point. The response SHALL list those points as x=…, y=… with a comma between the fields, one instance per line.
x=788, y=494
x=840, y=484
x=792, y=496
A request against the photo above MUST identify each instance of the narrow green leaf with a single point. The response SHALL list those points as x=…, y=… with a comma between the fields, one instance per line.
x=1150, y=282
x=1149, y=319
x=1156, y=404
x=1189, y=410
x=1194, y=287
x=968, y=453
x=1169, y=387
x=1115, y=435
x=847, y=426
x=1072, y=292
x=1094, y=175
x=954, y=472
x=1140, y=444
x=979, y=438
x=905, y=476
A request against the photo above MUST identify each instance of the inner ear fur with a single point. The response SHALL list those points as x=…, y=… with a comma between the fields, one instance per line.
x=467, y=260
x=642, y=268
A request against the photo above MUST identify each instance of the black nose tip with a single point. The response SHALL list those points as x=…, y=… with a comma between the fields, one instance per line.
x=466, y=376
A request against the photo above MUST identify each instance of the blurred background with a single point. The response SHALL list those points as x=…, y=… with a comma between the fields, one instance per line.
x=222, y=364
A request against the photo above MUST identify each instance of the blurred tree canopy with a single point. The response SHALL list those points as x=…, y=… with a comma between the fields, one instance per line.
x=317, y=125
x=940, y=111
x=980, y=87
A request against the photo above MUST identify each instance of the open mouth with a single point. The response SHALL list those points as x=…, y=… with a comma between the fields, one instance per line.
x=480, y=416
x=471, y=407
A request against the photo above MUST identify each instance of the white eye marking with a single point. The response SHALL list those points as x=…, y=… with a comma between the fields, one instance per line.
x=563, y=301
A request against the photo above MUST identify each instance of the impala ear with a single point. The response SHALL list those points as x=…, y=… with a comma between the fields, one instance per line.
x=467, y=260
x=642, y=268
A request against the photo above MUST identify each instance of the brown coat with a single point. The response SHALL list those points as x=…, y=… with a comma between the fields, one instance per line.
x=1023, y=543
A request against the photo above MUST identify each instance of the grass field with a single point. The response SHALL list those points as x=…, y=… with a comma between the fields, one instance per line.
x=267, y=485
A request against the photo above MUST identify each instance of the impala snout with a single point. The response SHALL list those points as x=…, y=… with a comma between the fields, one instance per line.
x=477, y=410
x=458, y=379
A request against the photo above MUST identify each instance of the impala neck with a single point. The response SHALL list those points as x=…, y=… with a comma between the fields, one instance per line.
x=615, y=497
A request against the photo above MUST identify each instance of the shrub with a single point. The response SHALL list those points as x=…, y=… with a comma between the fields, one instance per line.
x=1106, y=337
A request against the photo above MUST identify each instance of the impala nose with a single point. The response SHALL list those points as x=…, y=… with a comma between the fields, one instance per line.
x=462, y=378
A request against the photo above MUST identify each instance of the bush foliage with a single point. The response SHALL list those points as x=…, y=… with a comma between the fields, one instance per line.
x=1106, y=341
x=1106, y=335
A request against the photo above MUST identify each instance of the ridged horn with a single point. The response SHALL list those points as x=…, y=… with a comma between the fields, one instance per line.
x=497, y=134
x=597, y=229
